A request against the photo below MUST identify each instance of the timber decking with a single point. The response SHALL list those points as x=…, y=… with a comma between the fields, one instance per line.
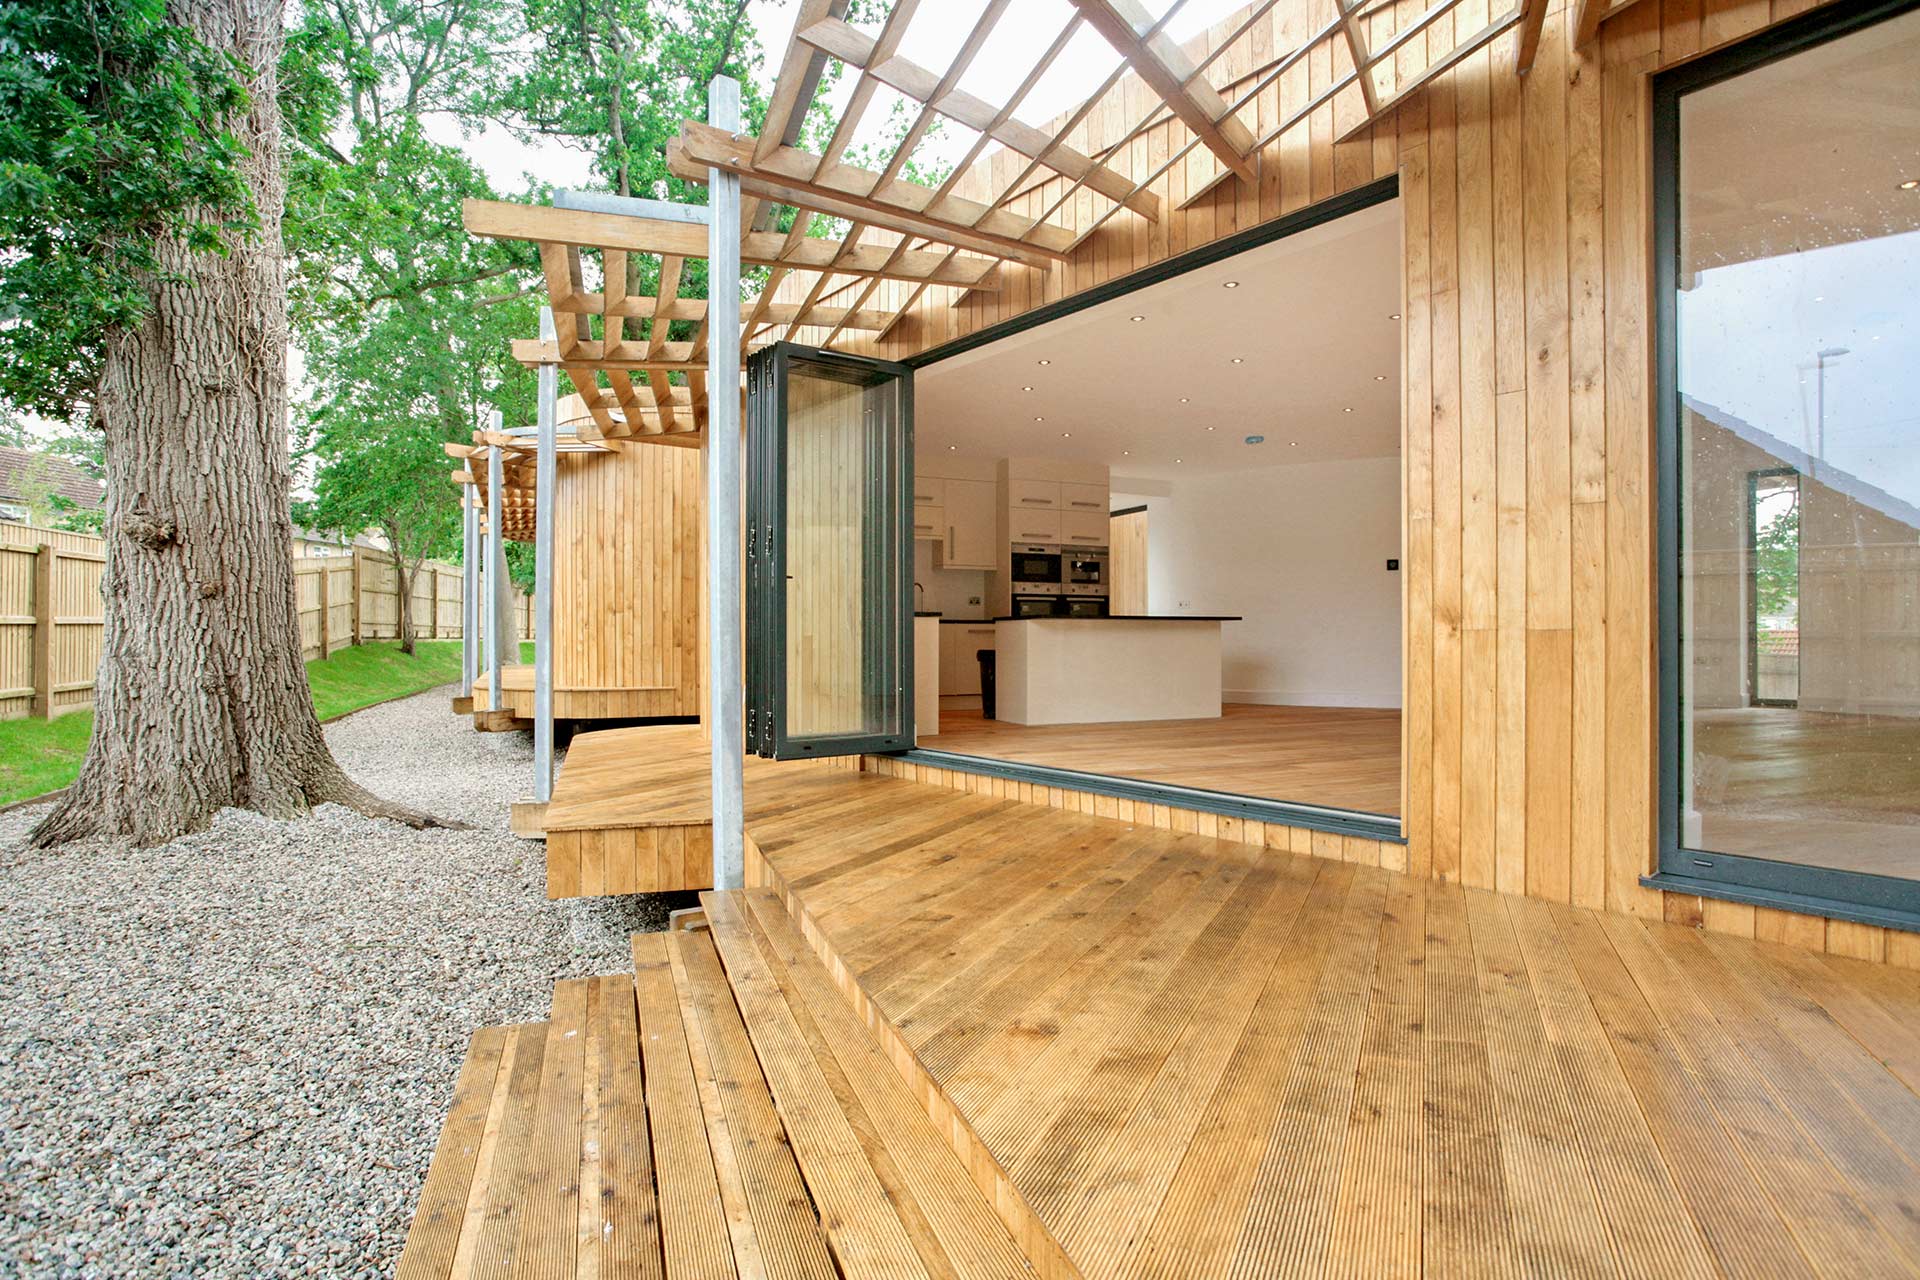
x=716, y=1114
x=1196, y=1057
x=1338, y=757
x=632, y=812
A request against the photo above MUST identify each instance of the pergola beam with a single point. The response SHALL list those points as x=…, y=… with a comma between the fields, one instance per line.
x=859, y=195
x=1167, y=70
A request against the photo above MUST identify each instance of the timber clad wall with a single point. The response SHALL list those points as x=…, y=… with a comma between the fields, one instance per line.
x=1529, y=624
x=626, y=583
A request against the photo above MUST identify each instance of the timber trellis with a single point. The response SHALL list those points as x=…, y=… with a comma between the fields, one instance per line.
x=51, y=619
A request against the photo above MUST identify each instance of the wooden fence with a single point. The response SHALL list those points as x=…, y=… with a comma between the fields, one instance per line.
x=50, y=612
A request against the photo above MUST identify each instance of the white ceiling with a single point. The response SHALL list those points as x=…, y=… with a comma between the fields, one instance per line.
x=1312, y=320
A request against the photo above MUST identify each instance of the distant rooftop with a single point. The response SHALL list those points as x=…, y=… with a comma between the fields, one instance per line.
x=25, y=473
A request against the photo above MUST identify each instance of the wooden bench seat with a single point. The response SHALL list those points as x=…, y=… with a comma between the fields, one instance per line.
x=721, y=1112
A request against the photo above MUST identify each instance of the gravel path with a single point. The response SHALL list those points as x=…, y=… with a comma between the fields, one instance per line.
x=230, y=1055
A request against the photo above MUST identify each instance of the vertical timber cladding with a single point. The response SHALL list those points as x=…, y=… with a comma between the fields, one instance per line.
x=1529, y=624
x=626, y=600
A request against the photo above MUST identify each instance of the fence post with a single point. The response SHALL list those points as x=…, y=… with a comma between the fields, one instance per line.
x=435, y=595
x=43, y=625
x=326, y=609
x=356, y=596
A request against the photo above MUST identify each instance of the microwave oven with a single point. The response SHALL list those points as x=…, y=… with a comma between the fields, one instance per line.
x=1036, y=567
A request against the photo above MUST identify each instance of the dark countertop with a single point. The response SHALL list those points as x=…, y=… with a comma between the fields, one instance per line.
x=1137, y=617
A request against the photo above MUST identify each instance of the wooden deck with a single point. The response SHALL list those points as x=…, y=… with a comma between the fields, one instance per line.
x=719, y=1112
x=1339, y=757
x=1196, y=1057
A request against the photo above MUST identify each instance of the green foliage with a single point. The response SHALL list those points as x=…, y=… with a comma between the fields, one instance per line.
x=113, y=134
x=1776, y=548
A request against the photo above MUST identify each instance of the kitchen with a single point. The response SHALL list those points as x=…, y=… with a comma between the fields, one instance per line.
x=1013, y=557
x=1240, y=421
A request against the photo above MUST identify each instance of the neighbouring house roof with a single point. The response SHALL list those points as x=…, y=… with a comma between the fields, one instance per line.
x=26, y=474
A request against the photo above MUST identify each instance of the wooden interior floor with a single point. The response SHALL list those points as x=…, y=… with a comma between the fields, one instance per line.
x=1832, y=790
x=1340, y=757
x=1200, y=1058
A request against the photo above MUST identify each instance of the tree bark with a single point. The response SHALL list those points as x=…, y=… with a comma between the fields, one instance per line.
x=201, y=700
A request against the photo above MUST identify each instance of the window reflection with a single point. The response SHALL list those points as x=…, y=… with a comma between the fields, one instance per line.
x=1799, y=381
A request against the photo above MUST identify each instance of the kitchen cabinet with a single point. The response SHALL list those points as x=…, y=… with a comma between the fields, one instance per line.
x=966, y=540
x=1084, y=528
x=960, y=645
x=1027, y=525
x=929, y=523
x=1084, y=498
x=928, y=491
x=1033, y=495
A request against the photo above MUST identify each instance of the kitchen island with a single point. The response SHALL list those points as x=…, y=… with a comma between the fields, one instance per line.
x=1100, y=670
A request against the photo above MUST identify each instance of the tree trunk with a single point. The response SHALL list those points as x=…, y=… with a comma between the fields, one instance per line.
x=201, y=699
x=403, y=578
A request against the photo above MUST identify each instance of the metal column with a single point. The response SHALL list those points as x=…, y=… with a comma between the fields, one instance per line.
x=498, y=635
x=469, y=590
x=543, y=571
x=727, y=692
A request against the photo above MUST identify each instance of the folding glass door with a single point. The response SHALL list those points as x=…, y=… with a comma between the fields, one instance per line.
x=829, y=554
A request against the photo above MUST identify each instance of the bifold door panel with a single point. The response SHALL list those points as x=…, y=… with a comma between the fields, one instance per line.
x=829, y=554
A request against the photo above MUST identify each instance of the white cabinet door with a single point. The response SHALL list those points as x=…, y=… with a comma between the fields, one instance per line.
x=1041, y=495
x=1084, y=528
x=1024, y=525
x=960, y=646
x=968, y=539
x=928, y=491
x=1084, y=497
x=929, y=523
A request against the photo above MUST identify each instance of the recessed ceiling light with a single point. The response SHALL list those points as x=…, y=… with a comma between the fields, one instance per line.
x=1394, y=316
x=1126, y=453
x=1184, y=399
x=1039, y=419
x=1026, y=388
x=1911, y=184
x=1209, y=428
x=1066, y=435
x=1348, y=409
x=1379, y=377
x=1046, y=362
x=1179, y=459
x=1238, y=360
x=1136, y=319
x=952, y=448
x=1235, y=284
x=1293, y=444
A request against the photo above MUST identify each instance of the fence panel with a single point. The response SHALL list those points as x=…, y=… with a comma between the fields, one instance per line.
x=51, y=612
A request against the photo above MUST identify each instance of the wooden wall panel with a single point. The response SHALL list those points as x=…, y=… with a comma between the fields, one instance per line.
x=1528, y=545
x=625, y=603
x=1127, y=547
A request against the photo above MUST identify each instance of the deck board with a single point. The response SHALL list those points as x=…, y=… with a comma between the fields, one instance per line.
x=1194, y=1057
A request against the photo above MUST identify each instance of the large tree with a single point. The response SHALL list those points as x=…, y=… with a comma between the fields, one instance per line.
x=140, y=231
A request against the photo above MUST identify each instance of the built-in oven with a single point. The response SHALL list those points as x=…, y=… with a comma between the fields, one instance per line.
x=1086, y=568
x=1036, y=568
x=1047, y=606
x=1085, y=606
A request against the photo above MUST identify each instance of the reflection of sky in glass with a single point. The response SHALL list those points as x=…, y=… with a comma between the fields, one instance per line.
x=1750, y=335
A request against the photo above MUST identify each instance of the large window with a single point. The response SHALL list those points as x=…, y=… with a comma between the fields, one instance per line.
x=1788, y=187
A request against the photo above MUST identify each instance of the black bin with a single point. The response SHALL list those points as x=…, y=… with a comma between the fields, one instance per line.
x=986, y=682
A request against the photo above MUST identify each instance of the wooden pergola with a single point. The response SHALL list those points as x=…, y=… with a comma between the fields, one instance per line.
x=636, y=382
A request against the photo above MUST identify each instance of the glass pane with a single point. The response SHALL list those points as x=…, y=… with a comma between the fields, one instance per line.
x=844, y=482
x=1799, y=380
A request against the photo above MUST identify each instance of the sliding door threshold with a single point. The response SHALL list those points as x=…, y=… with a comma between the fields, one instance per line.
x=1346, y=822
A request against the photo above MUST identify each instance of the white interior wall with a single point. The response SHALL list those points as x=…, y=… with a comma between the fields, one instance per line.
x=1300, y=552
x=953, y=593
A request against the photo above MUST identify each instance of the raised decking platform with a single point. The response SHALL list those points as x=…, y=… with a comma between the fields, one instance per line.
x=516, y=701
x=1197, y=1057
x=717, y=1113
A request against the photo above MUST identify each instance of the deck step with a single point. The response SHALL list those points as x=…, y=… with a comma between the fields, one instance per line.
x=720, y=1112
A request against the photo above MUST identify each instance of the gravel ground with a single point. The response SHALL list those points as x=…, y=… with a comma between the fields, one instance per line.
x=230, y=1055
